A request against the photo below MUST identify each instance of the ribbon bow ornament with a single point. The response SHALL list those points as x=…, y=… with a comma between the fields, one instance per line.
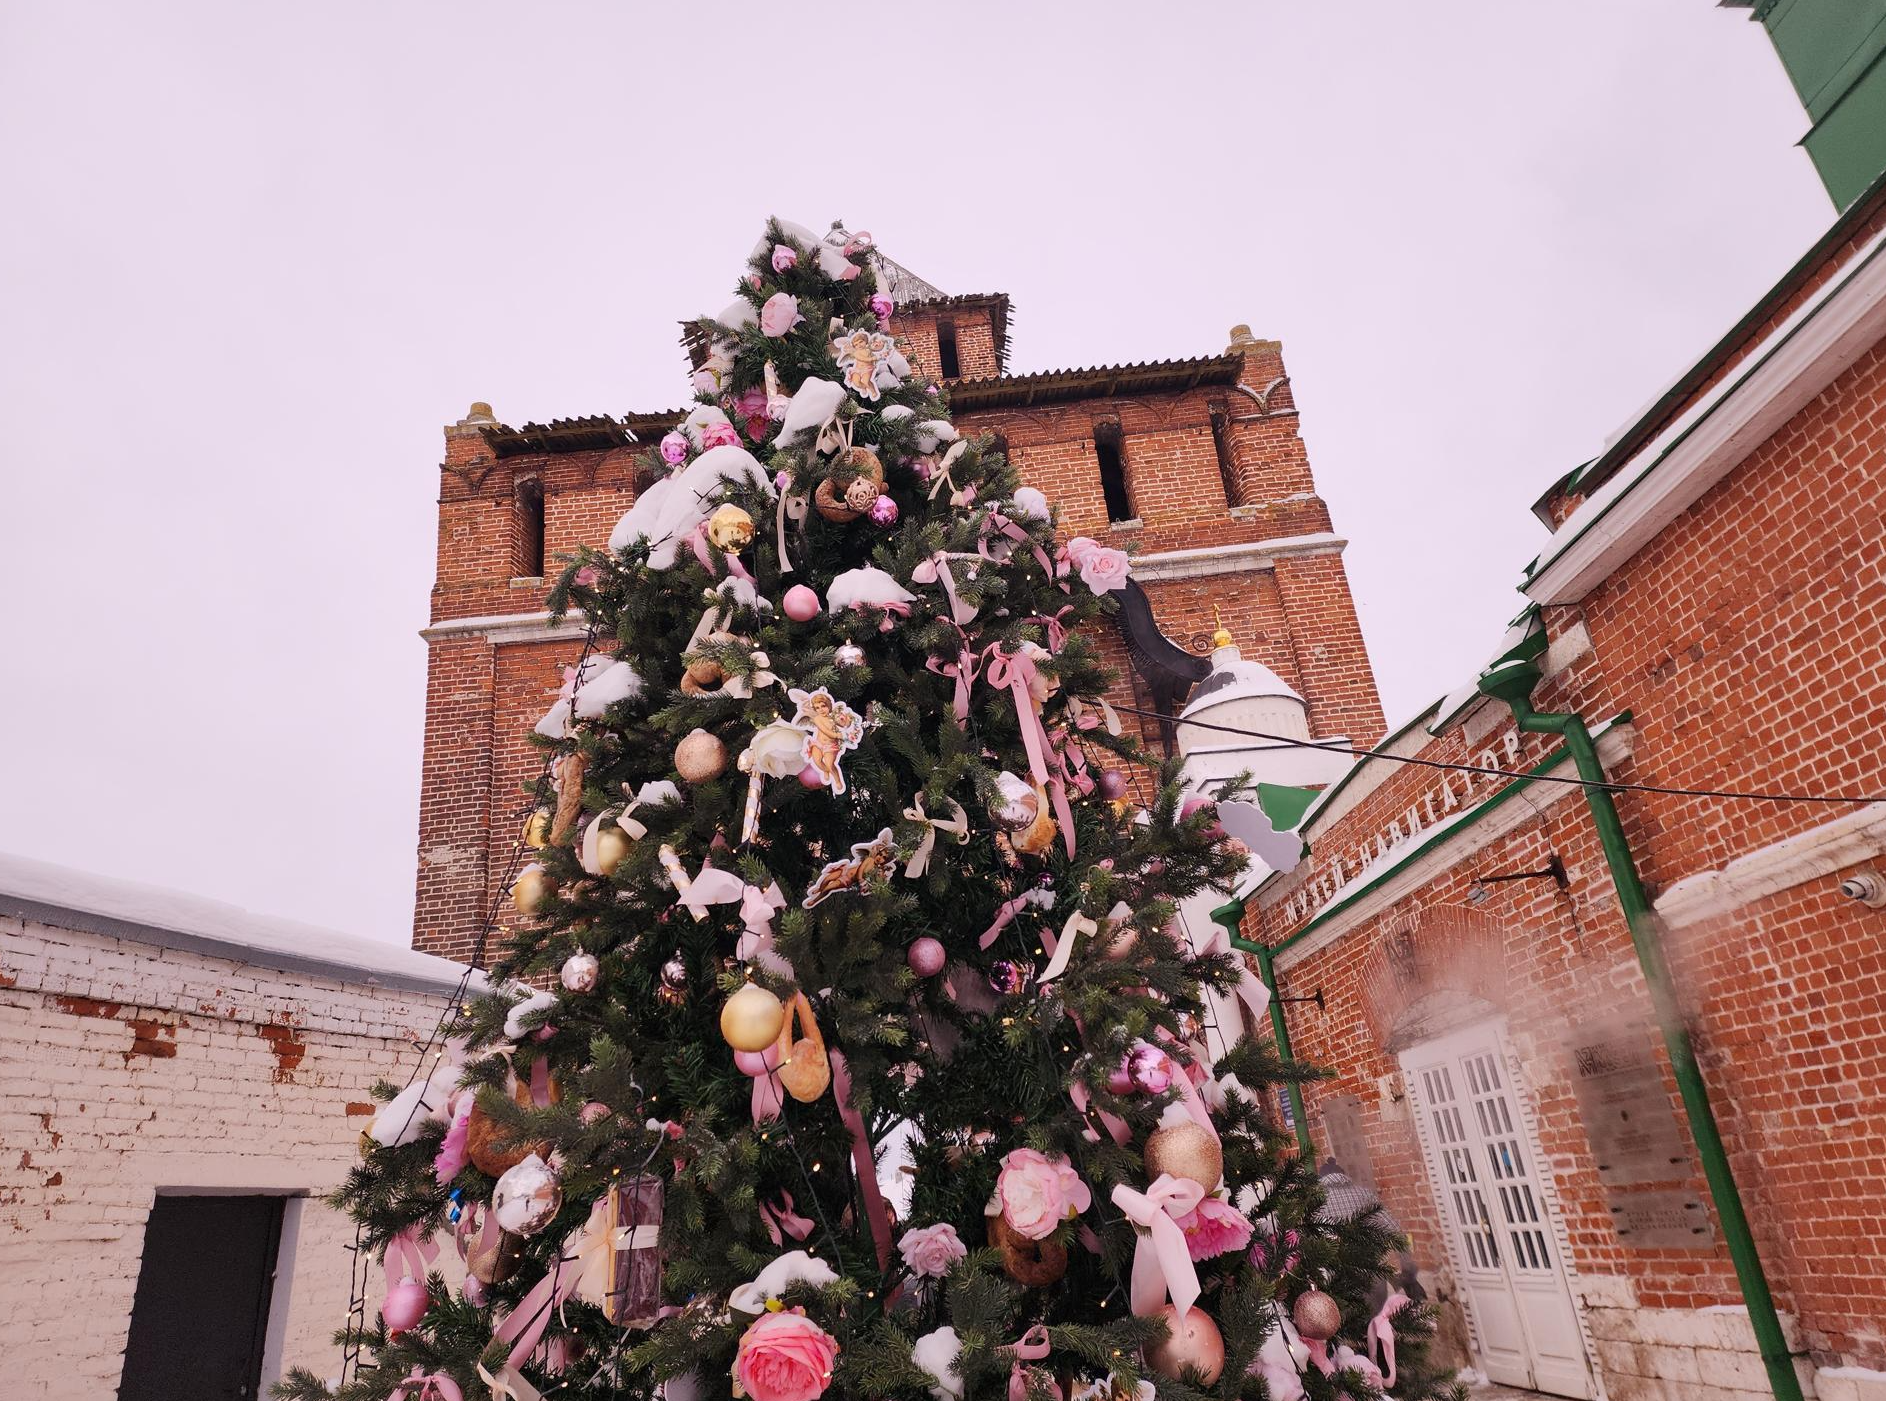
x=696, y=893
x=589, y=852
x=781, y=1220
x=956, y=824
x=1015, y=673
x=936, y=570
x=941, y=475
x=757, y=908
x=421, y=1385
x=1250, y=990
x=1078, y=924
x=1162, y=1264
x=1032, y=1346
x=1382, y=1332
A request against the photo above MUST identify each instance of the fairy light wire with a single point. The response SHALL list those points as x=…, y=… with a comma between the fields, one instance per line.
x=1611, y=785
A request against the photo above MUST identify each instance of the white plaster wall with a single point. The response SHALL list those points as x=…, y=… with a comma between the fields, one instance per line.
x=127, y=1069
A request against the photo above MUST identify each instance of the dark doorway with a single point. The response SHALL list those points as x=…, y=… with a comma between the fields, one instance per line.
x=200, y=1317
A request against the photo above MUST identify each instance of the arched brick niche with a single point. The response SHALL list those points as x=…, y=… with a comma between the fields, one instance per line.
x=1431, y=971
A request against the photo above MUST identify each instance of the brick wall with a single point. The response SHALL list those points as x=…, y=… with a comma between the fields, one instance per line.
x=1744, y=640
x=131, y=1070
x=1289, y=608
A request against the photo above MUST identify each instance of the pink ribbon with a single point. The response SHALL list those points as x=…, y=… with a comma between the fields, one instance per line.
x=995, y=523
x=1052, y=625
x=1250, y=990
x=964, y=669
x=1162, y=1264
x=1187, y=1088
x=526, y=1323
x=768, y=1101
x=433, y=1386
x=1004, y=916
x=415, y=1254
x=1015, y=673
x=1116, y=1127
x=936, y=570
x=697, y=539
x=781, y=1220
x=757, y=907
x=1032, y=1346
x=863, y=1159
x=1382, y=1330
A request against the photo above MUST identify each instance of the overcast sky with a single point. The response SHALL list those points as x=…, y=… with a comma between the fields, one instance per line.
x=253, y=256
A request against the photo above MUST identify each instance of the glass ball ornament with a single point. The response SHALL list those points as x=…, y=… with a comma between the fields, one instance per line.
x=527, y=1197
x=1009, y=976
x=884, y=511
x=531, y=889
x=849, y=654
x=730, y=528
x=405, y=1306
x=1316, y=1315
x=810, y=777
x=674, y=981
x=1185, y=1149
x=801, y=604
x=1111, y=784
x=926, y=957
x=1192, y=1342
x=579, y=972
x=612, y=848
x=700, y=757
x=750, y=1020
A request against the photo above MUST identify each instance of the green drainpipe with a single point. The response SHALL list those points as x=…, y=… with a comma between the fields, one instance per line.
x=1513, y=682
x=1231, y=916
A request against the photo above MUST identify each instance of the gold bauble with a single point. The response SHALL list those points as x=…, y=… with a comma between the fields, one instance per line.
x=1192, y=1342
x=700, y=757
x=1185, y=1150
x=730, y=528
x=1317, y=1316
x=532, y=887
x=750, y=1020
x=537, y=829
x=612, y=848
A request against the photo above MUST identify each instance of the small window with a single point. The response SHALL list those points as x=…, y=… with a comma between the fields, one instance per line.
x=1227, y=466
x=527, y=537
x=1109, y=450
x=947, y=363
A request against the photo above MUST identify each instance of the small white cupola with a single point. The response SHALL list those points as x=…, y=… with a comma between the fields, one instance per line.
x=1244, y=695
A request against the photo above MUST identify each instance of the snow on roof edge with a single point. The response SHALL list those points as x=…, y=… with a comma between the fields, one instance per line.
x=71, y=898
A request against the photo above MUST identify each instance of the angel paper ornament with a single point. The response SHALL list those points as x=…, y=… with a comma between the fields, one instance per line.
x=871, y=363
x=865, y=861
x=831, y=728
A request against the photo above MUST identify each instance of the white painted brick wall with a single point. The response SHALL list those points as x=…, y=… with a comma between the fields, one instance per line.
x=91, y=1130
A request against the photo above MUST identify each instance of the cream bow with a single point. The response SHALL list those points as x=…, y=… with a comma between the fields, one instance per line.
x=1078, y=924
x=942, y=473
x=1162, y=1262
x=956, y=824
x=592, y=835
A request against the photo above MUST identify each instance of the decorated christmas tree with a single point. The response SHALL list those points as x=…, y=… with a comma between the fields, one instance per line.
x=844, y=868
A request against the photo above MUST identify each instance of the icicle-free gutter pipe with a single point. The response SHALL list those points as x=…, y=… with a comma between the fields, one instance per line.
x=1231, y=916
x=1513, y=682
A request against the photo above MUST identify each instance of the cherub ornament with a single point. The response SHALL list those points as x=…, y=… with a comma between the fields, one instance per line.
x=865, y=861
x=831, y=728
x=870, y=361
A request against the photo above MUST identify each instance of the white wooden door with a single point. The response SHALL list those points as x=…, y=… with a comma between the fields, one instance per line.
x=1505, y=1252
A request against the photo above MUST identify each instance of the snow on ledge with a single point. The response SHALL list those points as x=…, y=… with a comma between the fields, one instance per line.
x=73, y=899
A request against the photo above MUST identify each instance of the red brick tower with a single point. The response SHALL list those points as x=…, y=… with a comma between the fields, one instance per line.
x=1195, y=466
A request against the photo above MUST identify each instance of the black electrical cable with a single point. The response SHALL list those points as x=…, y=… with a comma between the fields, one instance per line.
x=1333, y=747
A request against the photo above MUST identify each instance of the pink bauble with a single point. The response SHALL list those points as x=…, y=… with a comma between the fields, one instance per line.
x=405, y=1305
x=801, y=604
x=1197, y=804
x=474, y=1291
x=1120, y=1080
x=884, y=511
x=1112, y=784
x=811, y=778
x=594, y=1112
x=926, y=957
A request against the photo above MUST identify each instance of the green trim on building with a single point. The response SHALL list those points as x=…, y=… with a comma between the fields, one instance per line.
x=1832, y=51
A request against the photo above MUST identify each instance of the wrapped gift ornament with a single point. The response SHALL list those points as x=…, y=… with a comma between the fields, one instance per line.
x=633, y=1295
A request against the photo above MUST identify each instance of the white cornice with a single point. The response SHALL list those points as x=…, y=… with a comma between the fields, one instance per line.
x=1206, y=560
x=501, y=628
x=1432, y=852
x=1780, y=377
x=1820, y=851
